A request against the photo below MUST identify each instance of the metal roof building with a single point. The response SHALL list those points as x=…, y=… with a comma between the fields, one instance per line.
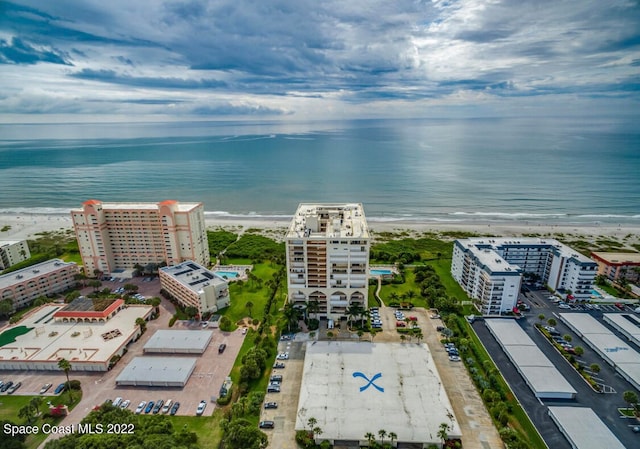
x=584, y=430
x=157, y=372
x=352, y=388
x=627, y=324
x=624, y=358
x=178, y=342
x=537, y=370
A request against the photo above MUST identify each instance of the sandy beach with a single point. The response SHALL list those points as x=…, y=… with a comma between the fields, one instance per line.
x=27, y=226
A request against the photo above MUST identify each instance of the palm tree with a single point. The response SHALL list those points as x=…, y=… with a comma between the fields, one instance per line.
x=393, y=297
x=442, y=433
x=65, y=366
x=142, y=324
x=249, y=306
x=311, y=422
x=382, y=433
x=370, y=437
x=393, y=436
x=313, y=306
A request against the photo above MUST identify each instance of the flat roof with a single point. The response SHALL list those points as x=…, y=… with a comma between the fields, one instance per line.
x=115, y=207
x=583, y=428
x=618, y=258
x=50, y=340
x=585, y=323
x=538, y=371
x=352, y=388
x=173, y=341
x=193, y=276
x=157, y=371
x=89, y=308
x=33, y=272
x=629, y=324
x=340, y=220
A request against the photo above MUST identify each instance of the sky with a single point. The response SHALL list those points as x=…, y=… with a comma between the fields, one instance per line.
x=316, y=59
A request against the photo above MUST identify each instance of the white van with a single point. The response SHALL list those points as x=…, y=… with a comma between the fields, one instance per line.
x=167, y=406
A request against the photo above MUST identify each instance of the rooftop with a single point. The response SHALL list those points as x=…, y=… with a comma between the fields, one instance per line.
x=618, y=258
x=172, y=341
x=89, y=307
x=157, y=371
x=193, y=275
x=32, y=272
x=182, y=207
x=352, y=388
x=329, y=220
x=583, y=428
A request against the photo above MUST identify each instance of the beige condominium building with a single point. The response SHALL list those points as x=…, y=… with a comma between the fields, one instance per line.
x=193, y=285
x=12, y=252
x=118, y=236
x=44, y=279
x=328, y=257
x=617, y=266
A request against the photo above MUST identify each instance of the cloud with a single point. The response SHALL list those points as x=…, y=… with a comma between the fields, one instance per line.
x=289, y=58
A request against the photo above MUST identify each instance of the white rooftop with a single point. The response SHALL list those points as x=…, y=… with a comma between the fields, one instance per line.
x=584, y=429
x=352, y=388
x=32, y=272
x=193, y=275
x=172, y=341
x=630, y=324
x=114, y=207
x=157, y=371
x=540, y=374
x=329, y=220
x=49, y=340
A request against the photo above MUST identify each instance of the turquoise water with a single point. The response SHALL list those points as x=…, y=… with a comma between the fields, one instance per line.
x=595, y=293
x=555, y=170
x=227, y=274
x=379, y=272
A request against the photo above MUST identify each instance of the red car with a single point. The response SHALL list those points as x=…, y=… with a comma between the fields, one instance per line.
x=401, y=324
x=413, y=318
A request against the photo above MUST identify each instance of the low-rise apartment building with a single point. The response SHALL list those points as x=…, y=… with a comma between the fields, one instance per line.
x=616, y=266
x=193, y=285
x=490, y=269
x=22, y=287
x=12, y=252
x=327, y=247
x=118, y=236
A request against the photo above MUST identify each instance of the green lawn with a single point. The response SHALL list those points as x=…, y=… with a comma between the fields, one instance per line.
x=206, y=427
x=9, y=336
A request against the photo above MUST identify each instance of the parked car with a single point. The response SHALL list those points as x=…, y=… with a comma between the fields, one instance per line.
x=45, y=388
x=276, y=378
x=401, y=324
x=454, y=358
x=140, y=407
x=270, y=405
x=273, y=389
x=201, y=406
x=117, y=401
x=149, y=407
x=6, y=386
x=158, y=406
x=278, y=365
x=174, y=408
x=266, y=424
x=167, y=406
x=221, y=348
x=435, y=317
x=283, y=356
x=244, y=331
x=125, y=404
x=14, y=387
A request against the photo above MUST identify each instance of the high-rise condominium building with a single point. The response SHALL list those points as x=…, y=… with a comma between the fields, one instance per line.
x=328, y=258
x=119, y=236
x=490, y=269
x=12, y=252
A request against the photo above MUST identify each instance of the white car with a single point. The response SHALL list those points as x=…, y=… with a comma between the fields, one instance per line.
x=201, y=407
x=125, y=404
x=283, y=356
x=140, y=407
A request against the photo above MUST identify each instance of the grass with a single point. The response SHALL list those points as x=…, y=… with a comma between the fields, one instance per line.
x=10, y=335
x=207, y=428
x=11, y=405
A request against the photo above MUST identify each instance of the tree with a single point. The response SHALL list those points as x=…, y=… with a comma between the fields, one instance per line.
x=191, y=312
x=567, y=338
x=443, y=432
x=392, y=435
x=313, y=306
x=131, y=287
x=6, y=307
x=249, y=306
x=291, y=315
x=370, y=437
x=65, y=366
x=595, y=368
x=541, y=317
x=631, y=398
x=551, y=322
x=96, y=284
x=311, y=422
x=382, y=433
x=579, y=350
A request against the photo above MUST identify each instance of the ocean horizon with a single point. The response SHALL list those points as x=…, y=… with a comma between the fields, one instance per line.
x=560, y=171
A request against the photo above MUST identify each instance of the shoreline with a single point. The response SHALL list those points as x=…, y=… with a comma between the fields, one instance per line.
x=27, y=225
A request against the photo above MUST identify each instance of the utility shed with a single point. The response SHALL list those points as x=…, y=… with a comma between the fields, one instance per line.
x=157, y=372
x=179, y=342
x=536, y=369
x=584, y=430
x=352, y=388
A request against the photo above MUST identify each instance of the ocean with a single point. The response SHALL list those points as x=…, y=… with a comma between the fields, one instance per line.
x=552, y=170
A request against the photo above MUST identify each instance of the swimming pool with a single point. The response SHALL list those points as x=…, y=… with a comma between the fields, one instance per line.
x=595, y=293
x=379, y=272
x=226, y=274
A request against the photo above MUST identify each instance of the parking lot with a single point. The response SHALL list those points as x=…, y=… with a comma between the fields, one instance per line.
x=204, y=384
x=604, y=404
